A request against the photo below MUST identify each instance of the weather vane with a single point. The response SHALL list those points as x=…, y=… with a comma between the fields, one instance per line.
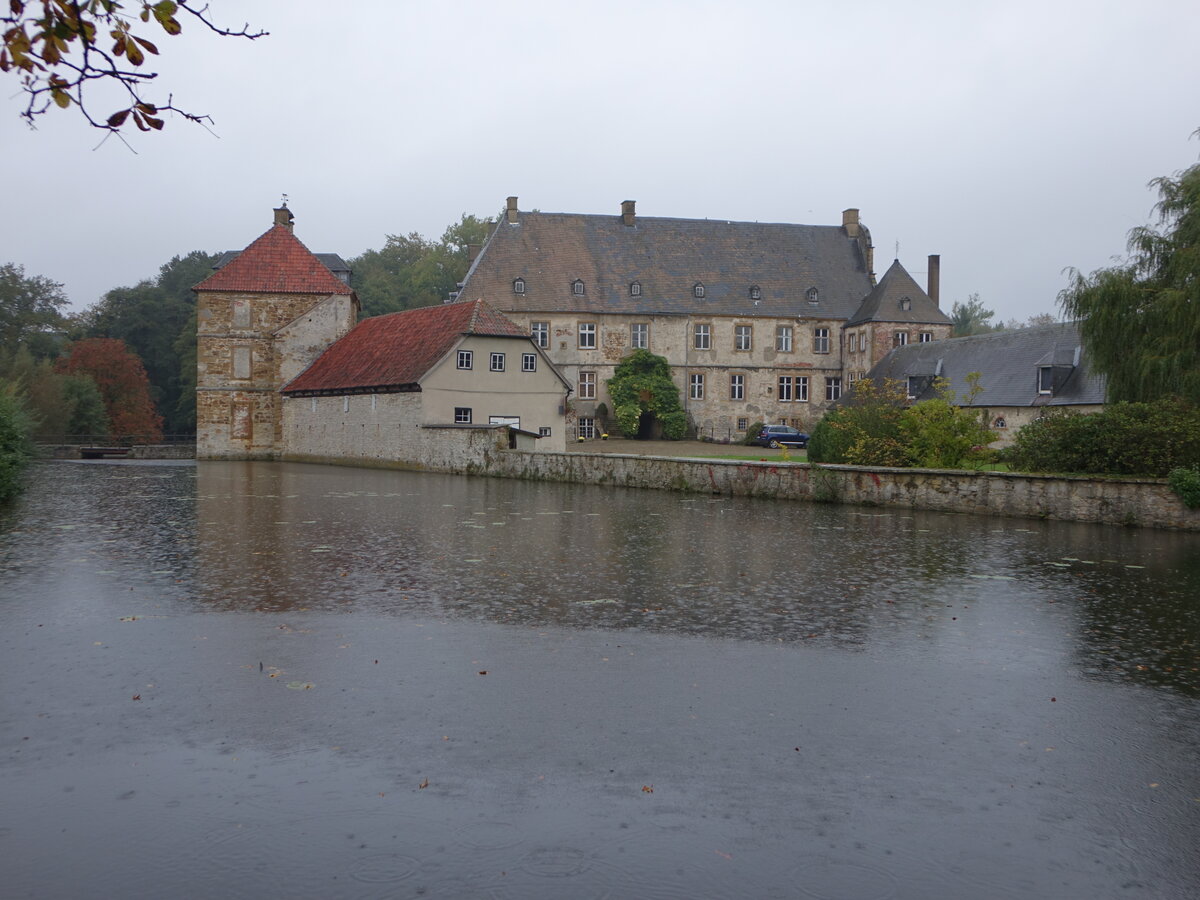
x=285, y=201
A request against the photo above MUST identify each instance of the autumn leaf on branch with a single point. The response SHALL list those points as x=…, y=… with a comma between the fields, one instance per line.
x=59, y=51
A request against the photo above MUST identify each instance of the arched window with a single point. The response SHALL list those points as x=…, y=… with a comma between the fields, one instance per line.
x=698, y=290
x=755, y=292
x=577, y=287
x=635, y=289
x=999, y=422
x=519, y=286
x=813, y=296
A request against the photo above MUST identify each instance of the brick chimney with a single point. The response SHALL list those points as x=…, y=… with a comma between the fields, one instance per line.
x=627, y=212
x=511, y=211
x=284, y=217
x=934, y=277
x=850, y=222
x=473, y=253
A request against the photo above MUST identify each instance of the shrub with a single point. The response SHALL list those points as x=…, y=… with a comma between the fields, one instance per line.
x=1186, y=483
x=1124, y=439
x=752, y=432
x=15, y=445
x=864, y=430
x=642, y=383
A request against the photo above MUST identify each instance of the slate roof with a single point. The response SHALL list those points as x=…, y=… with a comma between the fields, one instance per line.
x=1008, y=363
x=885, y=303
x=668, y=257
x=275, y=263
x=395, y=351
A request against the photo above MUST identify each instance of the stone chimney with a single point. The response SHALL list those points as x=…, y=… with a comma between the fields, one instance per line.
x=850, y=222
x=473, y=253
x=627, y=213
x=511, y=211
x=934, y=277
x=284, y=217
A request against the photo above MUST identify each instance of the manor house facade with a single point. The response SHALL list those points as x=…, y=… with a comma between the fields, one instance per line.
x=759, y=321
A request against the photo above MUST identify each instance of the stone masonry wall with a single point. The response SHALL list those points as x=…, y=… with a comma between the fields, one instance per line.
x=1142, y=502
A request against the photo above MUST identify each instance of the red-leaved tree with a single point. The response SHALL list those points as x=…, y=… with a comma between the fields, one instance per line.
x=123, y=384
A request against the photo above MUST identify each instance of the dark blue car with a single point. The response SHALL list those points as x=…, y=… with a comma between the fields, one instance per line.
x=781, y=436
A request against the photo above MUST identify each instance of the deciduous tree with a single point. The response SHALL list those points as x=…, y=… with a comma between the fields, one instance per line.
x=30, y=311
x=971, y=317
x=1140, y=321
x=122, y=381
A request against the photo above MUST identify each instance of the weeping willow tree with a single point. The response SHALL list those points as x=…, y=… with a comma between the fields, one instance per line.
x=1140, y=321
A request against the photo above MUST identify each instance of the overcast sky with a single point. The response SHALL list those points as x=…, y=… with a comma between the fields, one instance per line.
x=1015, y=139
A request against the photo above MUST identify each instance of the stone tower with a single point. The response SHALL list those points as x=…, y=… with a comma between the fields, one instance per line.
x=262, y=318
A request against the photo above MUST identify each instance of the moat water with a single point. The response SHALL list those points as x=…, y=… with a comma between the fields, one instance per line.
x=266, y=680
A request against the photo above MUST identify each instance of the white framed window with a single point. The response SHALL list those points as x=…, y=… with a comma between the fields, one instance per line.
x=635, y=289
x=466, y=359
x=852, y=343
x=698, y=290
x=737, y=387
x=820, y=340
x=702, y=337
x=899, y=338
x=801, y=388
x=833, y=388
x=587, y=427
x=906, y=303
x=577, y=287
x=814, y=296
x=639, y=336
x=540, y=332
x=755, y=294
x=1045, y=380
x=696, y=386
x=346, y=404
x=742, y=423
x=785, y=389
x=925, y=337
x=544, y=431
x=462, y=415
x=742, y=337
x=587, y=385
x=783, y=338
x=496, y=363
x=912, y=387
x=528, y=362
x=587, y=335
x=519, y=286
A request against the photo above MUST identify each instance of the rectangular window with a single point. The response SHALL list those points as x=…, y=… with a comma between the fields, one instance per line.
x=462, y=415
x=833, y=388
x=737, y=387
x=497, y=362
x=925, y=337
x=801, y=388
x=743, y=423
x=241, y=362
x=544, y=431
x=587, y=427
x=852, y=343
x=899, y=338
x=528, y=362
x=702, y=337
x=465, y=359
x=785, y=388
x=820, y=340
x=541, y=333
x=345, y=404
x=696, y=386
x=639, y=336
x=1045, y=380
x=374, y=402
x=913, y=386
x=587, y=385
x=783, y=338
x=742, y=335
x=587, y=335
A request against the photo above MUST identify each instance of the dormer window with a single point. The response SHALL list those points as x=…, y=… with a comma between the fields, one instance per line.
x=577, y=287
x=635, y=289
x=519, y=286
x=813, y=296
x=905, y=303
x=755, y=292
x=1045, y=379
x=698, y=290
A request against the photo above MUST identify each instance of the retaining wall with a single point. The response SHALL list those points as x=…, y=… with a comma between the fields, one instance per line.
x=1145, y=502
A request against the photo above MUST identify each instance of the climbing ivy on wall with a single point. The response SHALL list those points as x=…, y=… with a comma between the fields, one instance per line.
x=641, y=384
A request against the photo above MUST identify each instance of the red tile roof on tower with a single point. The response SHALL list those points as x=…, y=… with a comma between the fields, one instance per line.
x=276, y=263
x=389, y=352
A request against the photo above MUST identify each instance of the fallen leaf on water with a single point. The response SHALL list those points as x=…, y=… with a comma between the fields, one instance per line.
x=723, y=855
x=137, y=696
x=647, y=788
x=424, y=784
x=483, y=671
